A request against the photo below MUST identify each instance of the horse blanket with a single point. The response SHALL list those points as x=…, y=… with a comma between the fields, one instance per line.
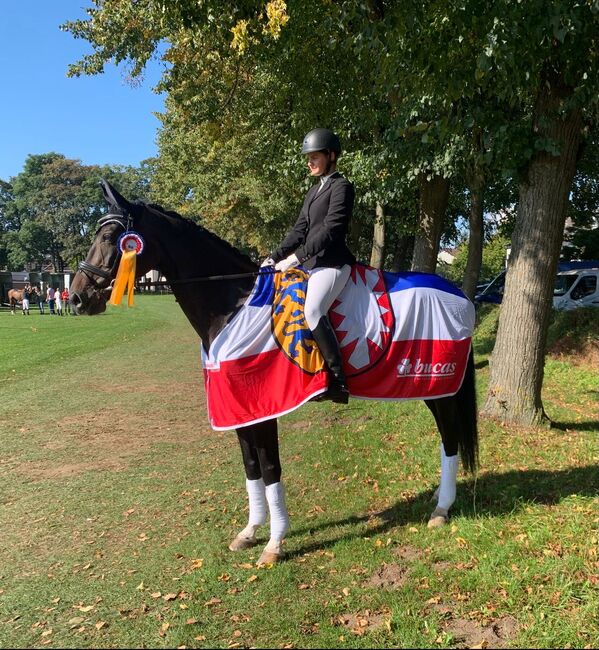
x=402, y=336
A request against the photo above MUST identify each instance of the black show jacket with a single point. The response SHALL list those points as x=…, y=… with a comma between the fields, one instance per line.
x=318, y=237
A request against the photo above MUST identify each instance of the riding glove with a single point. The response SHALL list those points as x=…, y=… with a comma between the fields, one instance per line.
x=287, y=263
x=268, y=262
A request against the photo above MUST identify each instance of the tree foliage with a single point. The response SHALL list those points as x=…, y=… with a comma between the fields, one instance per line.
x=48, y=211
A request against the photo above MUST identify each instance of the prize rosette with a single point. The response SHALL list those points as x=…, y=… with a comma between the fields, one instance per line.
x=131, y=241
x=130, y=244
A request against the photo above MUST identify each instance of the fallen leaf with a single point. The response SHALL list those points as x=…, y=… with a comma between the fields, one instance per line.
x=345, y=591
x=85, y=608
x=197, y=564
x=212, y=601
x=237, y=633
x=156, y=594
x=100, y=625
x=169, y=597
x=76, y=621
x=252, y=578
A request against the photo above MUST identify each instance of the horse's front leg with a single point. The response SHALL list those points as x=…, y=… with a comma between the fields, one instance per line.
x=446, y=492
x=260, y=451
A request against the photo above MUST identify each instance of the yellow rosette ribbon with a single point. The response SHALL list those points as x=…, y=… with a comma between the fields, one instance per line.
x=125, y=279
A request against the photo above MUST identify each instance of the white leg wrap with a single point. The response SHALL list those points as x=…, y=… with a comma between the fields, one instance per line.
x=257, y=498
x=279, y=519
x=449, y=473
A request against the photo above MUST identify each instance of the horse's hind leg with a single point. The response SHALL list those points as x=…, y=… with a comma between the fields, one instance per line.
x=443, y=411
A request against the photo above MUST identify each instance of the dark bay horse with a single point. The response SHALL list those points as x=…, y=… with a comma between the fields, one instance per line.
x=182, y=251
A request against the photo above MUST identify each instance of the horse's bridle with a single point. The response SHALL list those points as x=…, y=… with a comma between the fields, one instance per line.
x=125, y=221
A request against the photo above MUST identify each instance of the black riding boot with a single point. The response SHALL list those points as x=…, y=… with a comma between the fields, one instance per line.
x=329, y=347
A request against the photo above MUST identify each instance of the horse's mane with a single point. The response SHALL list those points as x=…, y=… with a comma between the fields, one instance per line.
x=193, y=225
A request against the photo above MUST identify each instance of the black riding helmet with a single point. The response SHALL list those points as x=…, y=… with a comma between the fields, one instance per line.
x=321, y=140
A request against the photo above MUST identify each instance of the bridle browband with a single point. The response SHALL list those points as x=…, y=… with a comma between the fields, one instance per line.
x=126, y=221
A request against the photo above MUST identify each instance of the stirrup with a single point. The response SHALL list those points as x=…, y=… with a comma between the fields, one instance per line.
x=336, y=392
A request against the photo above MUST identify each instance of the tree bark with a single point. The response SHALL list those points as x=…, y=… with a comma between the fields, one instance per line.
x=377, y=256
x=516, y=377
x=403, y=253
x=475, y=239
x=434, y=196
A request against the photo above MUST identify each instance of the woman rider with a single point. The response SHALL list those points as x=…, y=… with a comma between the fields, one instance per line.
x=317, y=241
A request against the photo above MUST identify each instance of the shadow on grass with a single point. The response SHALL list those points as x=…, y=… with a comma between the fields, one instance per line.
x=591, y=425
x=496, y=495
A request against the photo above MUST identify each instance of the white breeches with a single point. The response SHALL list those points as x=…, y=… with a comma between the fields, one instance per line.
x=324, y=285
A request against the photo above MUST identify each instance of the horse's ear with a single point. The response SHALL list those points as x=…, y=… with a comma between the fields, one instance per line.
x=113, y=197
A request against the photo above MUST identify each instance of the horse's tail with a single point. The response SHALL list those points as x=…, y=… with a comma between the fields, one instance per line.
x=468, y=431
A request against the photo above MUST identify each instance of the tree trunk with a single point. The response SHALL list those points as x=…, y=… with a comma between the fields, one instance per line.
x=434, y=195
x=475, y=239
x=403, y=253
x=377, y=257
x=516, y=378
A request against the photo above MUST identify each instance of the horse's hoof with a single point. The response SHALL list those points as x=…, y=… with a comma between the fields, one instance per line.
x=269, y=557
x=439, y=518
x=241, y=543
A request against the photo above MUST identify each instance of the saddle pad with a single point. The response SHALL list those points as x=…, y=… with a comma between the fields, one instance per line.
x=402, y=336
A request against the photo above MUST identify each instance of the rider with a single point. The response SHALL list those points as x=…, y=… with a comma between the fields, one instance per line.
x=317, y=241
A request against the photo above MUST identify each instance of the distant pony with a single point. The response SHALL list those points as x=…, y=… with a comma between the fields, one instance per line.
x=15, y=296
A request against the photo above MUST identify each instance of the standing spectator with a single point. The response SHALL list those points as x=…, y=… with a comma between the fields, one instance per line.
x=26, y=298
x=65, y=301
x=50, y=298
x=58, y=301
x=40, y=300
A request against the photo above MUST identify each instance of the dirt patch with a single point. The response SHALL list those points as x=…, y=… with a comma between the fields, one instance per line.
x=442, y=566
x=389, y=576
x=109, y=439
x=362, y=622
x=408, y=553
x=470, y=634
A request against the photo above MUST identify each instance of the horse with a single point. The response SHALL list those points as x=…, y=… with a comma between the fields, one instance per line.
x=186, y=253
x=15, y=296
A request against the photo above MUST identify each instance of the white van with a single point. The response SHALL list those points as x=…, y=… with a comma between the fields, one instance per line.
x=576, y=288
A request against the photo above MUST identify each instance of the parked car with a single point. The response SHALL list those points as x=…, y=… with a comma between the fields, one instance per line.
x=578, y=288
x=493, y=293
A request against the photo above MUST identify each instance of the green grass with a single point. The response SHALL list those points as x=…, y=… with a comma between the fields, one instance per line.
x=118, y=502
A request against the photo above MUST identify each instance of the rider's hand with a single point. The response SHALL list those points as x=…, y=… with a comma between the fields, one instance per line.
x=268, y=262
x=287, y=263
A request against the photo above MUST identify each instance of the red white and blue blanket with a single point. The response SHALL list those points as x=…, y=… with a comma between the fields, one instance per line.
x=402, y=336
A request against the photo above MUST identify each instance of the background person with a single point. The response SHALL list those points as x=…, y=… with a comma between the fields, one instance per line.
x=317, y=241
x=50, y=299
x=58, y=301
x=40, y=299
x=65, y=301
x=27, y=291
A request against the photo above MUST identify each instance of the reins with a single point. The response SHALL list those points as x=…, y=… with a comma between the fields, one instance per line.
x=230, y=276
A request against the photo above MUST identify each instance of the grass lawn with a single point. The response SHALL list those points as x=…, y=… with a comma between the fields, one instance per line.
x=118, y=502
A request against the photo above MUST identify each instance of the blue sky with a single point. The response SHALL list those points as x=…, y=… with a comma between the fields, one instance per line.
x=98, y=120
